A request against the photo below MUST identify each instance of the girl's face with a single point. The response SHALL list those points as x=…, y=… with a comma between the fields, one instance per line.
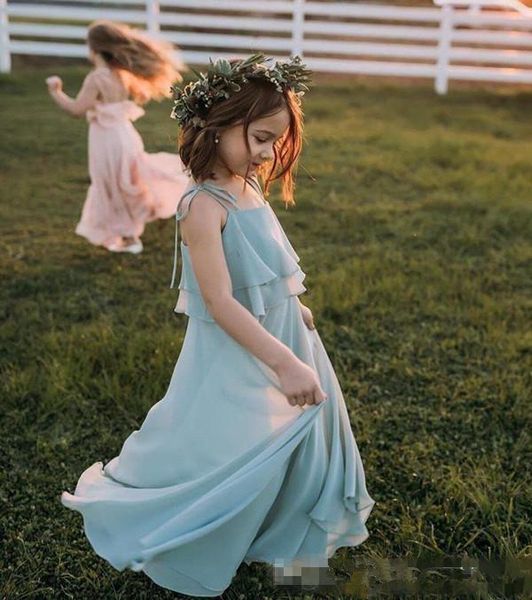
x=262, y=135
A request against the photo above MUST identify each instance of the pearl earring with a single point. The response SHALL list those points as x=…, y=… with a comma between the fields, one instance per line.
x=216, y=140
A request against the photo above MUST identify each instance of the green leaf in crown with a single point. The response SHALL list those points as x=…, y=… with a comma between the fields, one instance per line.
x=224, y=79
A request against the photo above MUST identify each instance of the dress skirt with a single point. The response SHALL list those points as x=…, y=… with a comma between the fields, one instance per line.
x=224, y=470
x=129, y=187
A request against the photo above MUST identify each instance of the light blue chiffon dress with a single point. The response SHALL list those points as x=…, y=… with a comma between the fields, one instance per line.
x=224, y=470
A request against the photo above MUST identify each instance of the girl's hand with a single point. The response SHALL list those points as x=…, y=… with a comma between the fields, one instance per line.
x=299, y=383
x=307, y=315
x=54, y=83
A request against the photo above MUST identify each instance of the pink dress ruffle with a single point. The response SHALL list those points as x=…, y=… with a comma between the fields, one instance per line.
x=129, y=187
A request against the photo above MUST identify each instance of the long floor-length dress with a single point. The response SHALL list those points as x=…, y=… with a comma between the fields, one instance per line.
x=223, y=469
x=129, y=187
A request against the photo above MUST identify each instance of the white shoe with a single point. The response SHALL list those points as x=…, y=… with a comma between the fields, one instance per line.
x=135, y=248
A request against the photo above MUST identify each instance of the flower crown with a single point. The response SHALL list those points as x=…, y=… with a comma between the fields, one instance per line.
x=224, y=78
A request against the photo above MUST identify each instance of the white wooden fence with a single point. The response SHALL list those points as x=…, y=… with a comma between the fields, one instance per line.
x=482, y=40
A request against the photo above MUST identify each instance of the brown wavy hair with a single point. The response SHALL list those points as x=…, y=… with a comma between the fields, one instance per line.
x=257, y=99
x=146, y=67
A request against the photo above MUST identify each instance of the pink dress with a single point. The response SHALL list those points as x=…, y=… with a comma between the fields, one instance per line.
x=129, y=187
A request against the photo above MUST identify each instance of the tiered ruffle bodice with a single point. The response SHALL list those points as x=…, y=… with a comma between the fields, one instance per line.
x=262, y=263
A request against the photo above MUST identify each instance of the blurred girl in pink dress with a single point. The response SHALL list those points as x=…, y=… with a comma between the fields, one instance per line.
x=129, y=187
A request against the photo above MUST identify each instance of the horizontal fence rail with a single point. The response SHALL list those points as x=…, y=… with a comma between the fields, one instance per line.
x=475, y=40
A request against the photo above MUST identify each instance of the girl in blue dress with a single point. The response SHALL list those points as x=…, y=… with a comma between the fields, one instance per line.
x=250, y=454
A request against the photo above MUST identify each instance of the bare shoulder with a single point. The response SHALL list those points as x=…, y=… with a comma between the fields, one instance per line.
x=100, y=71
x=203, y=217
x=96, y=73
x=93, y=77
x=99, y=75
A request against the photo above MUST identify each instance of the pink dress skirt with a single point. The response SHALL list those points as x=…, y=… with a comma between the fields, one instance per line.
x=129, y=187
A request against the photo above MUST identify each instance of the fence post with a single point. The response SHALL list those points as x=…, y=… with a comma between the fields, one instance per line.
x=152, y=17
x=5, y=54
x=298, y=19
x=444, y=47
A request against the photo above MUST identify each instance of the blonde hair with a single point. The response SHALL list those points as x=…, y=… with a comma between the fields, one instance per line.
x=146, y=66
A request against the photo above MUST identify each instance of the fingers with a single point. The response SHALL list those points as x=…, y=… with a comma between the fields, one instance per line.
x=301, y=399
x=309, y=322
x=296, y=400
x=319, y=395
x=309, y=398
x=308, y=317
x=316, y=396
x=54, y=83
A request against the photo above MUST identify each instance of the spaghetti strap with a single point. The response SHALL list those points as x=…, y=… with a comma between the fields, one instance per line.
x=254, y=182
x=223, y=197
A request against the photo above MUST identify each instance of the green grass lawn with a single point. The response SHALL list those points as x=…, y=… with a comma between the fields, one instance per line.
x=414, y=231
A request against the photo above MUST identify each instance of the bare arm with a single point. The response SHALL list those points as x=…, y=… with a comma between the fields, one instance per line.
x=78, y=106
x=202, y=227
